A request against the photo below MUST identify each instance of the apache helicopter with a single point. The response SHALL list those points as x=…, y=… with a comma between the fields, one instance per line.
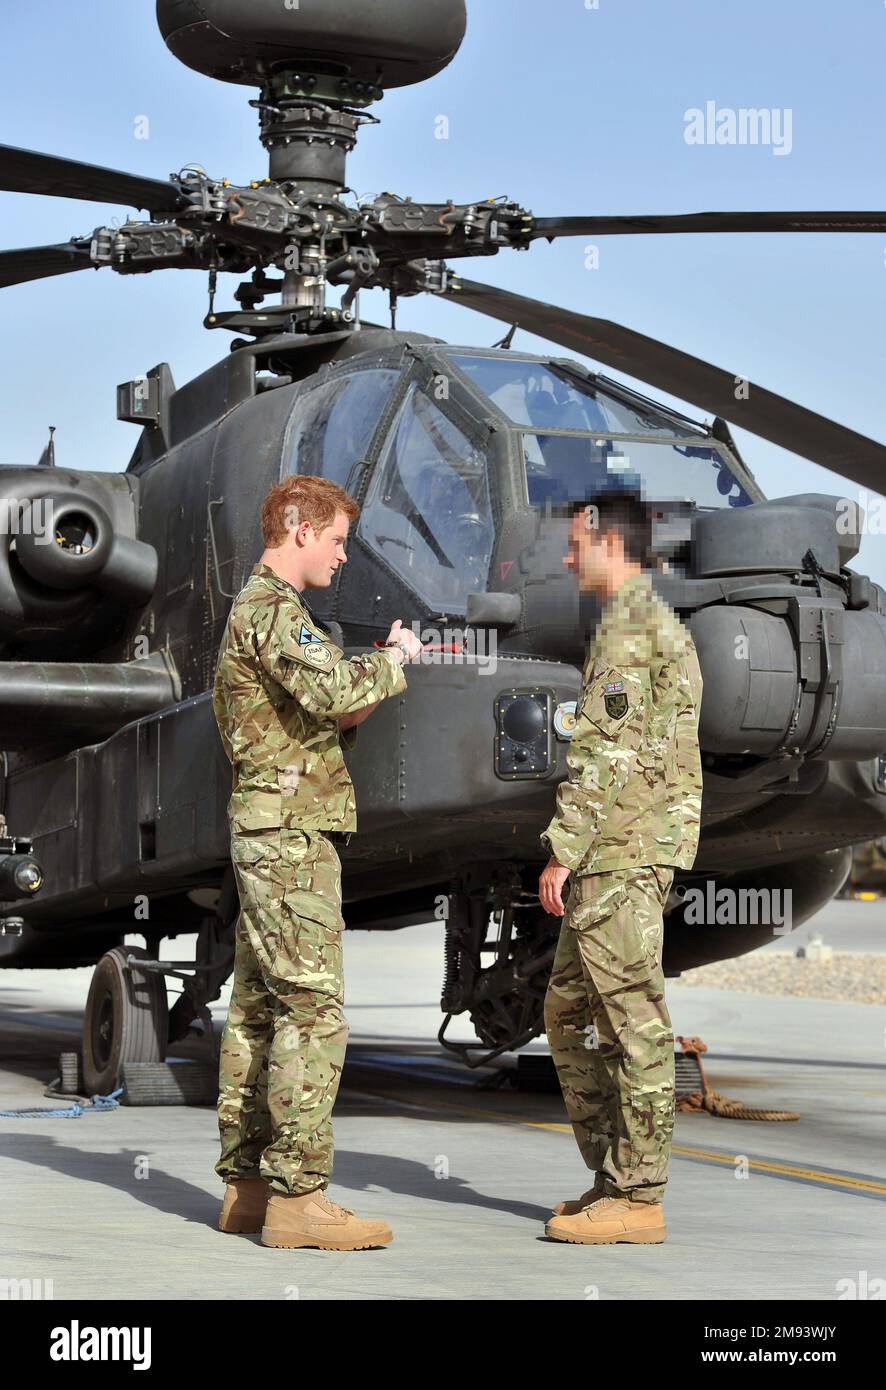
x=115, y=782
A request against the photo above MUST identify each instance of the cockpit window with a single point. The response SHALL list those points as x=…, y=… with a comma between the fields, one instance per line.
x=332, y=425
x=567, y=467
x=537, y=394
x=427, y=511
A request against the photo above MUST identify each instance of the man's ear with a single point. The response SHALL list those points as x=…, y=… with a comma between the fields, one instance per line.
x=303, y=532
x=615, y=546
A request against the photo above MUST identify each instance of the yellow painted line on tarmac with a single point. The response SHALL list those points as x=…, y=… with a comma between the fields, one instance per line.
x=793, y=1170
x=759, y=1165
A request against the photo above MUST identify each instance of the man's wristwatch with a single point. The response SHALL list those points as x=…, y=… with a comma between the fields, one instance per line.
x=400, y=646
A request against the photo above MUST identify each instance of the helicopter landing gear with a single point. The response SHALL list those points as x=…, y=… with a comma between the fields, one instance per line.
x=505, y=999
x=128, y=1023
x=126, y=1020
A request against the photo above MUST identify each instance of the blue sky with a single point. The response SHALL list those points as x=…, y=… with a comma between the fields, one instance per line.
x=565, y=108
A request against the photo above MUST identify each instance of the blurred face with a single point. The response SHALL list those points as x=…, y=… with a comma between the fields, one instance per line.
x=321, y=553
x=592, y=553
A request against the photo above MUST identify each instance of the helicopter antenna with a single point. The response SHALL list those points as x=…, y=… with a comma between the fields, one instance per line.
x=393, y=302
x=506, y=341
x=47, y=458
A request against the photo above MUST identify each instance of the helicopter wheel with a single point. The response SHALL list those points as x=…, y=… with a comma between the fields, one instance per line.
x=126, y=1019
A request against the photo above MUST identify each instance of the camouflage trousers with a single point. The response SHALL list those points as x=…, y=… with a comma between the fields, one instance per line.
x=610, y=1031
x=284, y=1040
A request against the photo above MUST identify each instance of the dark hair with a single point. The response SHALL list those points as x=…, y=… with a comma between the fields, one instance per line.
x=624, y=511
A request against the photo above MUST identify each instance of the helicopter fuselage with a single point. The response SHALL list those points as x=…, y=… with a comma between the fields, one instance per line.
x=461, y=459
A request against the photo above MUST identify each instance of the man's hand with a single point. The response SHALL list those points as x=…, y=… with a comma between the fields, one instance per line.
x=348, y=721
x=405, y=635
x=550, y=887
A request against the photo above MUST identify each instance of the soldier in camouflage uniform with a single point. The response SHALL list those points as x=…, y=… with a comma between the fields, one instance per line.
x=284, y=699
x=627, y=816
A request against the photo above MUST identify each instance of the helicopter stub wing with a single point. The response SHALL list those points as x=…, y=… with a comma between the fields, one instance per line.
x=763, y=413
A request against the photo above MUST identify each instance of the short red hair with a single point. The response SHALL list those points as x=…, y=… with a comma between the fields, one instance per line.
x=302, y=498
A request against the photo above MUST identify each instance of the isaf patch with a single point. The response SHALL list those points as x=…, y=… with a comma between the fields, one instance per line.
x=615, y=704
x=317, y=654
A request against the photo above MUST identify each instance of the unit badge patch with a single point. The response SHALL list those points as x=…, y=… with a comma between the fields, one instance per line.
x=306, y=636
x=616, y=705
x=317, y=654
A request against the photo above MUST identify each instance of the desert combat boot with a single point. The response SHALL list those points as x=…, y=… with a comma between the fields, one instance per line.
x=243, y=1209
x=310, y=1220
x=610, y=1220
x=572, y=1208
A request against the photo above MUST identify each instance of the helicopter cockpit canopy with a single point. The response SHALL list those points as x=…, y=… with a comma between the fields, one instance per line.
x=576, y=433
x=427, y=512
x=444, y=447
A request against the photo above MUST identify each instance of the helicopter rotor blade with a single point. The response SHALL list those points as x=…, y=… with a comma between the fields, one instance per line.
x=551, y=227
x=29, y=171
x=688, y=378
x=37, y=262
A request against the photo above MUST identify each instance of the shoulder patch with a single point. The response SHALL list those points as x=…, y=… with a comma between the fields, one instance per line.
x=612, y=695
x=306, y=635
x=616, y=706
x=318, y=654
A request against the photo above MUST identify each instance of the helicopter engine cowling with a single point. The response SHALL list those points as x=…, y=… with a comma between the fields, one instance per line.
x=789, y=667
x=761, y=695
x=61, y=555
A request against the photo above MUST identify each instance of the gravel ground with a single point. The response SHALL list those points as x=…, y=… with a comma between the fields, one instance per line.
x=849, y=976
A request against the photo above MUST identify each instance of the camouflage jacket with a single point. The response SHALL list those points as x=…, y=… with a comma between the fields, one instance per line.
x=280, y=687
x=633, y=793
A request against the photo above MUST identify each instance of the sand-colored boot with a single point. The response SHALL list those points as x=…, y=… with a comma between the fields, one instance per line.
x=243, y=1209
x=611, y=1220
x=572, y=1208
x=310, y=1220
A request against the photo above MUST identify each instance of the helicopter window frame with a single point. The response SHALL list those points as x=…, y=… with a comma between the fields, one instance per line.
x=347, y=374
x=735, y=467
x=590, y=385
x=421, y=383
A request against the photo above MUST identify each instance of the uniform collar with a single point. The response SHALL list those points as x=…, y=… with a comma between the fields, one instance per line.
x=265, y=572
x=638, y=586
x=283, y=586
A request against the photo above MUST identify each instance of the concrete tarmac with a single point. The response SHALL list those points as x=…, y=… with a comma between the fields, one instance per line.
x=124, y=1204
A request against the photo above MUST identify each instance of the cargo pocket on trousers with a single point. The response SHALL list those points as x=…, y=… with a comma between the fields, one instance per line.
x=258, y=872
x=309, y=954
x=314, y=883
x=594, y=898
x=257, y=846
x=619, y=938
